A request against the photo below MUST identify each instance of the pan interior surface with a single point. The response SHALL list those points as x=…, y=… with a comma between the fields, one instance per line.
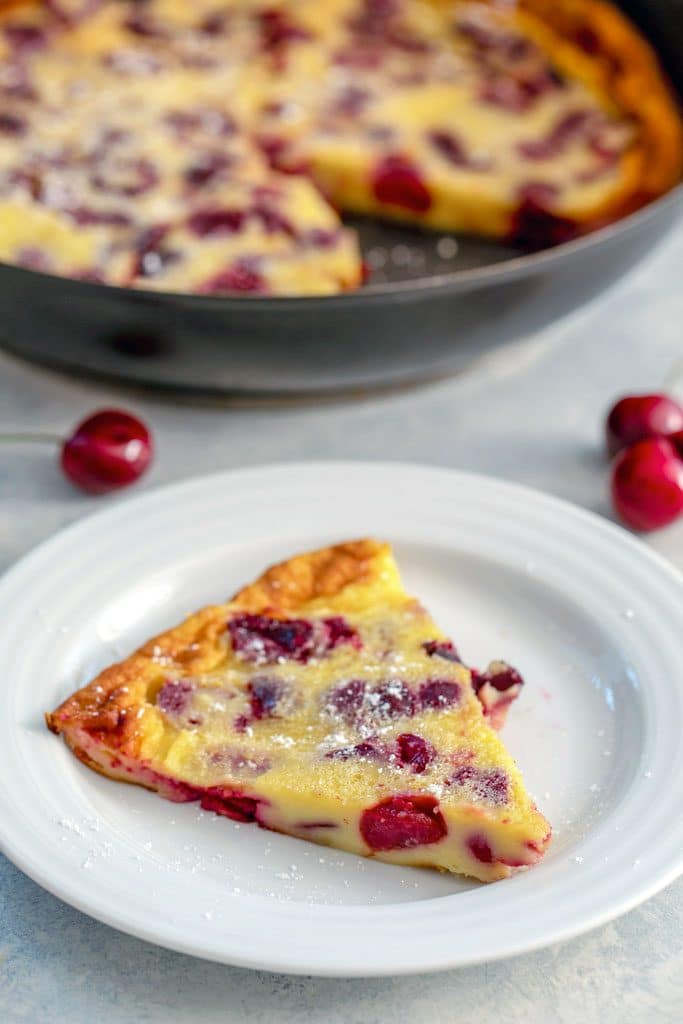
x=398, y=254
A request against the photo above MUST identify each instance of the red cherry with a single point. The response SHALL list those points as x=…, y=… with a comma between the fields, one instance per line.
x=414, y=752
x=677, y=441
x=108, y=450
x=399, y=183
x=647, y=484
x=401, y=822
x=639, y=416
x=230, y=803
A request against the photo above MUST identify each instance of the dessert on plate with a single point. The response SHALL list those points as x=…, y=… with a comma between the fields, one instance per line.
x=214, y=147
x=323, y=702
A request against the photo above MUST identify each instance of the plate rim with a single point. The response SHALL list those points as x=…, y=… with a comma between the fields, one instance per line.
x=639, y=892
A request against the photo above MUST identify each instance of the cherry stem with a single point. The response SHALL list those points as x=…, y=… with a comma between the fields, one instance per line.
x=24, y=438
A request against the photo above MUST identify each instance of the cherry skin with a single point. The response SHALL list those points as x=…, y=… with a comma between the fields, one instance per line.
x=677, y=441
x=108, y=450
x=637, y=417
x=647, y=484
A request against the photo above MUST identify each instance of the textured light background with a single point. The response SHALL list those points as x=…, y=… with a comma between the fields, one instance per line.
x=534, y=416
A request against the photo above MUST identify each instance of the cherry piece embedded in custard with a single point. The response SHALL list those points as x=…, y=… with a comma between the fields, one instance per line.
x=397, y=182
x=414, y=752
x=647, y=484
x=345, y=701
x=264, y=694
x=402, y=822
x=637, y=417
x=266, y=640
x=230, y=804
x=391, y=699
x=210, y=221
x=174, y=696
x=441, y=649
x=534, y=225
x=439, y=693
x=241, y=277
x=108, y=450
x=478, y=846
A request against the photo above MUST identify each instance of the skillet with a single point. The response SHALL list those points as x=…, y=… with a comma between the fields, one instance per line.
x=435, y=303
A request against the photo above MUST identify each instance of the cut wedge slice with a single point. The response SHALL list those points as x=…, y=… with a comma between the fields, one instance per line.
x=323, y=702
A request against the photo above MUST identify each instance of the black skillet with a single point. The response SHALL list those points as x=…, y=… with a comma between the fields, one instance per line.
x=434, y=304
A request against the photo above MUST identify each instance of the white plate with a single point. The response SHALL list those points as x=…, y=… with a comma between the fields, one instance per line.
x=589, y=615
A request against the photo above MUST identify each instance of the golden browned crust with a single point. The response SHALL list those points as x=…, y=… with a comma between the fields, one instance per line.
x=632, y=75
x=109, y=704
x=321, y=573
x=6, y=5
x=107, y=708
x=595, y=42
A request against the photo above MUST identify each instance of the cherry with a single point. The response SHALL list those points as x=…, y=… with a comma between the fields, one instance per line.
x=322, y=239
x=174, y=696
x=215, y=221
x=441, y=649
x=108, y=450
x=480, y=849
x=271, y=220
x=240, y=277
x=230, y=803
x=564, y=132
x=636, y=417
x=264, y=640
x=439, y=693
x=397, y=182
x=414, y=752
x=451, y=149
x=392, y=699
x=351, y=101
x=338, y=631
x=499, y=675
x=140, y=25
x=25, y=37
x=534, y=225
x=677, y=441
x=402, y=822
x=346, y=701
x=496, y=689
x=264, y=694
x=10, y=124
x=647, y=484
x=207, y=167
x=277, y=30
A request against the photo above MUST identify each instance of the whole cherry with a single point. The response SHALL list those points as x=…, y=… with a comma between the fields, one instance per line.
x=647, y=484
x=107, y=450
x=637, y=417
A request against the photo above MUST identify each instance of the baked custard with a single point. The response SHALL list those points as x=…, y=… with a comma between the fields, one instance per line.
x=212, y=147
x=323, y=702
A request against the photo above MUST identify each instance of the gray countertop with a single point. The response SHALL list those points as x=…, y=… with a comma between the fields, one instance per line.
x=533, y=414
